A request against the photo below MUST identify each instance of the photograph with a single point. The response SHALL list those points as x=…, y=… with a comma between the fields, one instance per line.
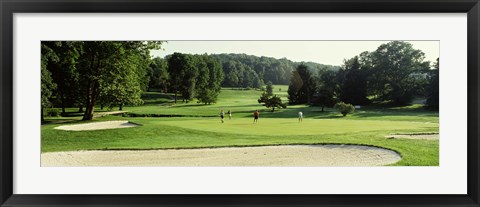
x=208, y=103
x=240, y=103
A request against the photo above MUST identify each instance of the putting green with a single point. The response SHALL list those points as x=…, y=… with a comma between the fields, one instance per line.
x=267, y=126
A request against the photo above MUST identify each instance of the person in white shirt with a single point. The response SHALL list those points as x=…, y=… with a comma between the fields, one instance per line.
x=222, y=114
x=300, y=116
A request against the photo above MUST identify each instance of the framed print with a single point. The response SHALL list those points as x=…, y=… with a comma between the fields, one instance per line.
x=236, y=103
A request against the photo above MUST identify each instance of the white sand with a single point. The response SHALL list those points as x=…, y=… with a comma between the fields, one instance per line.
x=292, y=155
x=97, y=126
x=414, y=136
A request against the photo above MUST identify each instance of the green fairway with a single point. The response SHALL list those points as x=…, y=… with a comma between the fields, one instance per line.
x=367, y=126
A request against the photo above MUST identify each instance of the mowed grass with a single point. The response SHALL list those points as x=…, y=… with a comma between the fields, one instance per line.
x=241, y=102
x=291, y=126
x=367, y=126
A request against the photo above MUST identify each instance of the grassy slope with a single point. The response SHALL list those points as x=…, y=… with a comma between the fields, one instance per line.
x=368, y=126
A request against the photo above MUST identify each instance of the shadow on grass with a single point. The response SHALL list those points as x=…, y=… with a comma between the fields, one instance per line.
x=373, y=111
x=157, y=102
x=48, y=121
x=189, y=105
x=370, y=114
x=156, y=95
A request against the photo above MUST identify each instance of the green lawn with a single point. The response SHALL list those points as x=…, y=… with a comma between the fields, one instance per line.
x=367, y=126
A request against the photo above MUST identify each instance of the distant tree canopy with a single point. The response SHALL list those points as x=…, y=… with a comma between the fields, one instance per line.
x=260, y=70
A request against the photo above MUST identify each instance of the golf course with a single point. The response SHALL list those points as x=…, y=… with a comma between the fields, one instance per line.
x=195, y=125
x=113, y=103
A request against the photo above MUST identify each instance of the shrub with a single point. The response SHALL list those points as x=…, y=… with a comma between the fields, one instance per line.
x=344, y=108
x=53, y=112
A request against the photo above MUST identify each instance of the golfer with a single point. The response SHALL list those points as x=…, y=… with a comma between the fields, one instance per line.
x=222, y=114
x=255, y=116
x=300, y=116
x=229, y=115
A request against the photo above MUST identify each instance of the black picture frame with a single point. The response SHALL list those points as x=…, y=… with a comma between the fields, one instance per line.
x=9, y=7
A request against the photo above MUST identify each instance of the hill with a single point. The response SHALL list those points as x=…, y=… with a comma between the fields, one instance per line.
x=240, y=67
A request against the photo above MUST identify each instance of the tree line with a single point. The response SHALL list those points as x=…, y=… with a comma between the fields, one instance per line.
x=242, y=71
x=251, y=71
x=84, y=74
x=395, y=73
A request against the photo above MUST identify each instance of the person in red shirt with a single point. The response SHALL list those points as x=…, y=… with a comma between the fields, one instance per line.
x=255, y=116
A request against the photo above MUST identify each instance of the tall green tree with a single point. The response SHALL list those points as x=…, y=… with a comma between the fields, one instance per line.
x=189, y=75
x=269, y=88
x=126, y=87
x=302, y=86
x=158, y=74
x=47, y=84
x=210, y=76
x=183, y=73
x=64, y=72
x=354, y=86
x=397, y=72
x=104, y=62
x=328, y=87
x=433, y=100
x=324, y=98
x=294, y=87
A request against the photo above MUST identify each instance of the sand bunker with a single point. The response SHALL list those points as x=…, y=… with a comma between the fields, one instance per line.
x=291, y=155
x=97, y=126
x=414, y=136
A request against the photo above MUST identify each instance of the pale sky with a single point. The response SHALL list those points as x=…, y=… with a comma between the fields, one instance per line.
x=324, y=52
